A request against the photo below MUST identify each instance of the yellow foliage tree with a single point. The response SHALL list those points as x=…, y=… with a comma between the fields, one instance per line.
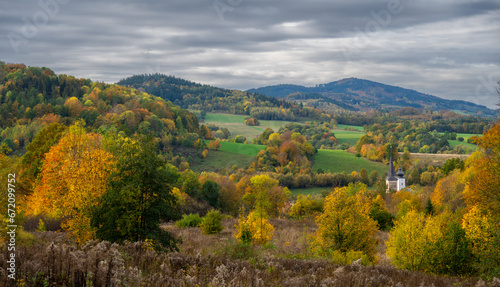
x=74, y=176
x=482, y=174
x=345, y=225
x=434, y=244
x=255, y=228
x=448, y=192
x=484, y=233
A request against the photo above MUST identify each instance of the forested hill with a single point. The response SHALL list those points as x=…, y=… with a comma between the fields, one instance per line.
x=187, y=94
x=193, y=96
x=364, y=95
x=32, y=98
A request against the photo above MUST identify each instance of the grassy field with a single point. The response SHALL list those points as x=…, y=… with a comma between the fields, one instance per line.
x=358, y=128
x=456, y=143
x=219, y=160
x=230, y=154
x=339, y=161
x=437, y=159
x=243, y=149
x=348, y=137
x=236, y=125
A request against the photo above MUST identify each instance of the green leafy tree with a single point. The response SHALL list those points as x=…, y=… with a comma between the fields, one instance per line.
x=211, y=194
x=364, y=176
x=191, y=185
x=32, y=161
x=212, y=222
x=140, y=195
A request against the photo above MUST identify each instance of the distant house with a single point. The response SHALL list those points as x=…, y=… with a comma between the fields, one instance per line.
x=395, y=180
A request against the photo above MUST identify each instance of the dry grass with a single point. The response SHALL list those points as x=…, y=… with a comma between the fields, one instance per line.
x=437, y=159
x=204, y=260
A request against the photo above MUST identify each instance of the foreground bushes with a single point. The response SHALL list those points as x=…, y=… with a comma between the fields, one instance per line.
x=189, y=220
x=55, y=261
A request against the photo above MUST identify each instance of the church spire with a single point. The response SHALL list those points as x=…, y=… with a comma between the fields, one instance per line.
x=392, y=173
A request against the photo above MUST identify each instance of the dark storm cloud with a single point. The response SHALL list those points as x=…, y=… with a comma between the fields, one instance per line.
x=446, y=48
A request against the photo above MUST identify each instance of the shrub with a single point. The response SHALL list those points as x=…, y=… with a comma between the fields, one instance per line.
x=215, y=144
x=436, y=244
x=191, y=220
x=306, y=205
x=303, y=180
x=211, y=223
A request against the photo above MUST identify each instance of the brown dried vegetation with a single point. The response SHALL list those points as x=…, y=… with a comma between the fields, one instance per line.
x=204, y=260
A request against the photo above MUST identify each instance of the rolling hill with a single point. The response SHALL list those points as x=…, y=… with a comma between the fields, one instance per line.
x=359, y=94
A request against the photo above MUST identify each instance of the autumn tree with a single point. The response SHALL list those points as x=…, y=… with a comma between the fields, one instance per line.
x=74, y=176
x=448, y=193
x=214, y=144
x=345, y=225
x=381, y=214
x=140, y=195
x=254, y=229
x=482, y=174
x=483, y=231
x=436, y=244
x=264, y=193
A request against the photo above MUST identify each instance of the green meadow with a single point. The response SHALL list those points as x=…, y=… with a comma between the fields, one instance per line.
x=347, y=137
x=338, y=161
x=243, y=149
x=236, y=124
x=457, y=143
x=219, y=160
x=358, y=128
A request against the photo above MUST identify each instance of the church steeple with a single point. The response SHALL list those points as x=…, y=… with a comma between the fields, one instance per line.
x=395, y=181
x=391, y=175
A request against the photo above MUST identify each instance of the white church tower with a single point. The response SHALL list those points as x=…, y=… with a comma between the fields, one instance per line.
x=395, y=180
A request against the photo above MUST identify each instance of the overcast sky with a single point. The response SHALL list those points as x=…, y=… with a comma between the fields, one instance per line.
x=447, y=48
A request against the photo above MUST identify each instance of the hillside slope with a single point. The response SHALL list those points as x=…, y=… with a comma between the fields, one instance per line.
x=32, y=98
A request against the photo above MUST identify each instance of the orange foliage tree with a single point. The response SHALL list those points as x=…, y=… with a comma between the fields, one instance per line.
x=482, y=174
x=73, y=177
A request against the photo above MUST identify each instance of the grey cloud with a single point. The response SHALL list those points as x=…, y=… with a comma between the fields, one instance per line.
x=438, y=47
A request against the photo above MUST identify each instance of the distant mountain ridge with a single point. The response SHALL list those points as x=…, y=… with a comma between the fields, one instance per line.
x=359, y=94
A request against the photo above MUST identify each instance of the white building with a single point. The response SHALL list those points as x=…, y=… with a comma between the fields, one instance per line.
x=395, y=180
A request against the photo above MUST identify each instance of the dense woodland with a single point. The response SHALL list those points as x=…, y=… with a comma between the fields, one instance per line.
x=111, y=164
